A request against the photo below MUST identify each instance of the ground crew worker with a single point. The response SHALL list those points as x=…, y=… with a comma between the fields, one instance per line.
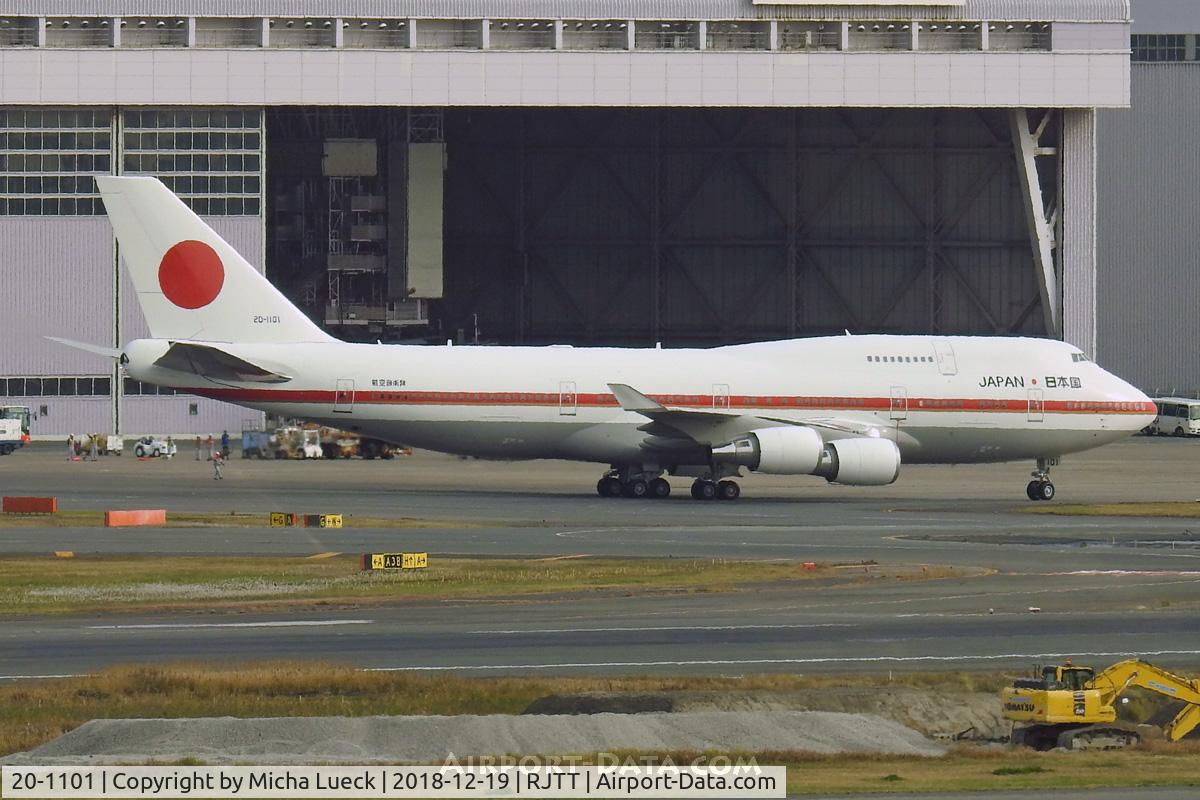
x=95, y=449
x=70, y=446
x=210, y=447
x=225, y=444
x=218, y=463
x=197, y=448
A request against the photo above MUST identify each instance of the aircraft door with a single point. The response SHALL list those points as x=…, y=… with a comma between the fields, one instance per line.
x=1037, y=405
x=720, y=395
x=947, y=362
x=899, y=403
x=568, y=400
x=343, y=396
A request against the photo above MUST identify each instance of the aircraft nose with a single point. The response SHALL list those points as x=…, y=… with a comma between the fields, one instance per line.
x=1146, y=409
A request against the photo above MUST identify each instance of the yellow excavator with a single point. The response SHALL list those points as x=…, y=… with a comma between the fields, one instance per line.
x=1073, y=707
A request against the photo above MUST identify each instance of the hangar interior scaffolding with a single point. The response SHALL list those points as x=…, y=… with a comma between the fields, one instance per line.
x=336, y=247
x=712, y=225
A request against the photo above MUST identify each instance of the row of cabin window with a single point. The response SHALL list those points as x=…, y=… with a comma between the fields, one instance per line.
x=900, y=359
x=1072, y=406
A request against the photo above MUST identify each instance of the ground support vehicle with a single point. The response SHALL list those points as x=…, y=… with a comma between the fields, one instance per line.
x=1075, y=707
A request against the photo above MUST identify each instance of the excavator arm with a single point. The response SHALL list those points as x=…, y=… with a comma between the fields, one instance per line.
x=1113, y=682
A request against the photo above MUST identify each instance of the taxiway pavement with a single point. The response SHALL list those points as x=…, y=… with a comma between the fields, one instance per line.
x=1105, y=587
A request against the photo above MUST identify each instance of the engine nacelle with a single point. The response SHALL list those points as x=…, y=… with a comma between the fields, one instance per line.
x=860, y=462
x=796, y=450
x=787, y=450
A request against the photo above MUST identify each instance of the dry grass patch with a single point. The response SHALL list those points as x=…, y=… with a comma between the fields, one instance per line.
x=1173, y=509
x=34, y=712
x=103, y=583
x=988, y=769
x=966, y=768
x=238, y=519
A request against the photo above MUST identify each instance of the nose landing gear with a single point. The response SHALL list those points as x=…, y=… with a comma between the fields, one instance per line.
x=1040, y=488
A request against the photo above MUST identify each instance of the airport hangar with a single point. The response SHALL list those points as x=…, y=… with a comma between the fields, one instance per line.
x=539, y=171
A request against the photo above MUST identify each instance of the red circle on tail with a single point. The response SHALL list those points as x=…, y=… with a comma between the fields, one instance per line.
x=191, y=274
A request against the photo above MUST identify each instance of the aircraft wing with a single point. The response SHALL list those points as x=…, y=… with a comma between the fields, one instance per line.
x=718, y=425
x=216, y=364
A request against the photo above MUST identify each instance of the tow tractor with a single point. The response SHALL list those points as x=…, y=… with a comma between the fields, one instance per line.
x=1073, y=707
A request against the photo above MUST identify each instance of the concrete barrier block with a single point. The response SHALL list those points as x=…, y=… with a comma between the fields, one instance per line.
x=125, y=519
x=30, y=505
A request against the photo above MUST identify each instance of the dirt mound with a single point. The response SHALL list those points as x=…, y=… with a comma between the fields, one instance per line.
x=433, y=739
x=969, y=715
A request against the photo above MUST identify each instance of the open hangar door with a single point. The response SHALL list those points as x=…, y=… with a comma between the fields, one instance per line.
x=706, y=226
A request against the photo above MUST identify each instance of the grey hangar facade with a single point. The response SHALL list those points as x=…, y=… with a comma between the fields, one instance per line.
x=683, y=172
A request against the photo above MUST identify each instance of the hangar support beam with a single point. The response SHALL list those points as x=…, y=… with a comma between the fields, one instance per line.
x=1078, y=229
x=1026, y=143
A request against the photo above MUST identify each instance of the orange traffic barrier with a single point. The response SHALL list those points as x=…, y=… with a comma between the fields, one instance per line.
x=124, y=519
x=30, y=505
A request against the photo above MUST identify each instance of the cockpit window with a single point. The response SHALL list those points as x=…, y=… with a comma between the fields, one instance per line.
x=1078, y=357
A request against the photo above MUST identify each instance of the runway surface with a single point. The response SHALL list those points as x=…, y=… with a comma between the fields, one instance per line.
x=1104, y=587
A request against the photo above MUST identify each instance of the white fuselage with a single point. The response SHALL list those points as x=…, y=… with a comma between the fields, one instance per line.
x=941, y=399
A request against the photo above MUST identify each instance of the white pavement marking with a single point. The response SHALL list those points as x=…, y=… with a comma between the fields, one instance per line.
x=38, y=677
x=299, y=623
x=670, y=628
x=1172, y=573
x=757, y=661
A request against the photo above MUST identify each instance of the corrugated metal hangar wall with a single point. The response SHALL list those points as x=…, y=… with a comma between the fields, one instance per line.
x=1149, y=231
x=723, y=225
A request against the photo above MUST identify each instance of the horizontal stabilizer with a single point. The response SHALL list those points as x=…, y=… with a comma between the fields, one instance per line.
x=107, y=352
x=216, y=364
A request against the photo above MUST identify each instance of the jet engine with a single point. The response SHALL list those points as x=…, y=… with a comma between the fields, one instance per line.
x=860, y=462
x=796, y=450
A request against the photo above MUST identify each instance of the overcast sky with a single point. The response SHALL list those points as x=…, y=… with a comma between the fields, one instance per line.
x=1166, y=16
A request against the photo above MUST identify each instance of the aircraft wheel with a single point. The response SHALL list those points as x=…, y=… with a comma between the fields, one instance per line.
x=1045, y=490
x=1031, y=491
x=704, y=490
x=728, y=490
x=636, y=488
x=660, y=488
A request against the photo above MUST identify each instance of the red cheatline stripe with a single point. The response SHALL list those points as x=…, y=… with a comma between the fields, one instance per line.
x=755, y=402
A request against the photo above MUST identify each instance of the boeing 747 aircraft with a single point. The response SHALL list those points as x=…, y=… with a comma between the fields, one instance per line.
x=849, y=409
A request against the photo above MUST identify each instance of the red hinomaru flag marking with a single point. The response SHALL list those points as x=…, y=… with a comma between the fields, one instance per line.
x=191, y=274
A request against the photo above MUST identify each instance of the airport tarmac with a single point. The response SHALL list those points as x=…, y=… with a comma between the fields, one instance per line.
x=1105, y=587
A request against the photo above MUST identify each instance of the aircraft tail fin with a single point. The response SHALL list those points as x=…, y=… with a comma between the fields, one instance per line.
x=191, y=284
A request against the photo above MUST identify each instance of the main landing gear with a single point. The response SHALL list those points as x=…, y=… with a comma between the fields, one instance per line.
x=708, y=489
x=638, y=483
x=1040, y=488
x=636, y=487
